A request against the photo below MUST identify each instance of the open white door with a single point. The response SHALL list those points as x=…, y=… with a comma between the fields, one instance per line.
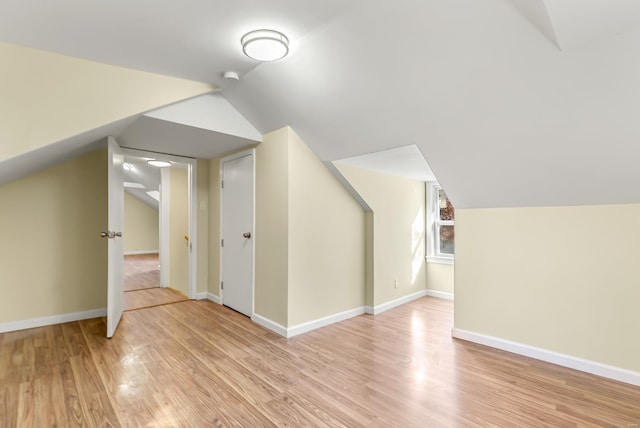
x=237, y=217
x=115, y=277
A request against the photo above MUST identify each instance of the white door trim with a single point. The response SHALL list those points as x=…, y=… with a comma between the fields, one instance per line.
x=193, y=208
x=249, y=152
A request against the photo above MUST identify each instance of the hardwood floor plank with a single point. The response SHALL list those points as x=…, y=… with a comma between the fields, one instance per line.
x=198, y=364
x=141, y=271
x=138, y=299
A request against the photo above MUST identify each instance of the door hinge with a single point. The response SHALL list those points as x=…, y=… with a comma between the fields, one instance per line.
x=222, y=184
x=221, y=285
x=222, y=242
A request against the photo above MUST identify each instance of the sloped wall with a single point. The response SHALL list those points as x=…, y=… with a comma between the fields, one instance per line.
x=326, y=240
x=47, y=97
x=309, y=235
x=398, y=239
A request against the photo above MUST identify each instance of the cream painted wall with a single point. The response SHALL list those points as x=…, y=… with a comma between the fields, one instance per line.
x=398, y=239
x=202, y=182
x=178, y=229
x=272, y=230
x=47, y=97
x=326, y=240
x=440, y=277
x=52, y=259
x=565, y=279
x=214, y=227
x=141, y=225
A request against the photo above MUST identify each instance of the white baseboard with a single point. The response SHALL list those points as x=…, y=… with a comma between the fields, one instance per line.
x=588, y=366
x=305, y=327
x=134, y=253
x=440, y=294
x=324, y=321
x=375, y=310
x=271, y=325
x=51, y=320
x=208, y=296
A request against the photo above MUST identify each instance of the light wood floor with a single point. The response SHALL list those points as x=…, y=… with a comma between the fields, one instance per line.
x=141, y=271
x=196, y=363
x=142, y=284
x=139, y=299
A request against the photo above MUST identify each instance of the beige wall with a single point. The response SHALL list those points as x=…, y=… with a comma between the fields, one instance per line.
x=52, y=259
x=326, y=240
x=398, y=238
x=141, y=228
x=440, y=277
x=203, y=225
x=214, y=227
x=178, y=229
x=565, y=279
x=272, y=230
x=47, y=97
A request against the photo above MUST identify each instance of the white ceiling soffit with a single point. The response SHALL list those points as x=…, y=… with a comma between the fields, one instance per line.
x=193, y=39
x=572, y=24
x=162, y=136
x=405, y=162
x=211, y=112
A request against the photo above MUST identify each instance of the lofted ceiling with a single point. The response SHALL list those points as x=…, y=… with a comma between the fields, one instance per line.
x=511, y=102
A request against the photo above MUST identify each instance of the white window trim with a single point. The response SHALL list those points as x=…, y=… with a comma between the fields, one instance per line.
x=432, y=236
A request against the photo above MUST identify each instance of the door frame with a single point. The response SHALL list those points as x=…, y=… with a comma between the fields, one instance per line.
x=192, y=174
x=252, y=153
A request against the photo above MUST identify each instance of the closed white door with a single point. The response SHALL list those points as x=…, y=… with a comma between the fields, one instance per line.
x=237, y=233
x=115, y=275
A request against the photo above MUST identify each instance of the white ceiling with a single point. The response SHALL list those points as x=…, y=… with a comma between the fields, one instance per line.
x=502, y=115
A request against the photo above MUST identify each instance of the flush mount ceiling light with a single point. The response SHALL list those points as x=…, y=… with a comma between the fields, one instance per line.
x=159, y=163
x=265, y=45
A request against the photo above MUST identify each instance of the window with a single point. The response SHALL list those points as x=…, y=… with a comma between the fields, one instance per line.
x=441, y=222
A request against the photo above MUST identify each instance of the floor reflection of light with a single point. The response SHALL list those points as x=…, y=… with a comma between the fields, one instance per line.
x=417, y=244
x=417, y=343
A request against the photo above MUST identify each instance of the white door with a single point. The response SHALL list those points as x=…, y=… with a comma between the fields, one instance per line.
x=115, y=276
x=237, y=233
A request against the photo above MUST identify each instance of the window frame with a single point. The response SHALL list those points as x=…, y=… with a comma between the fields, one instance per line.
x=433, y=226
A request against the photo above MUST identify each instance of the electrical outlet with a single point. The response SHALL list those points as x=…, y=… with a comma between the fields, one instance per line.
x=395, y=283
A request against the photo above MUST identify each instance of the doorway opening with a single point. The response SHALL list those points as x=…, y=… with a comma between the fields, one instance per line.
x=158, y=229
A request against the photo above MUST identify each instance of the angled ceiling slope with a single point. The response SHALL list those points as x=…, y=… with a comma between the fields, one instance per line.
x=571, y=24
x=503, y=116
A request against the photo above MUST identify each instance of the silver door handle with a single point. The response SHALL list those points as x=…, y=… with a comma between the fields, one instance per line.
x=247, y=235
x=110, y=234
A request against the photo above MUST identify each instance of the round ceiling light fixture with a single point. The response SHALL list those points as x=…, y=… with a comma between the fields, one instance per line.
x=159, y=163
x=265, y=45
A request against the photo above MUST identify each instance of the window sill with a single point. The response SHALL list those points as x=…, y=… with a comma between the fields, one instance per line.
x=440, y=260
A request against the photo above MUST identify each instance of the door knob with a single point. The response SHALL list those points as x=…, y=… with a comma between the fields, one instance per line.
x=247, y=235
